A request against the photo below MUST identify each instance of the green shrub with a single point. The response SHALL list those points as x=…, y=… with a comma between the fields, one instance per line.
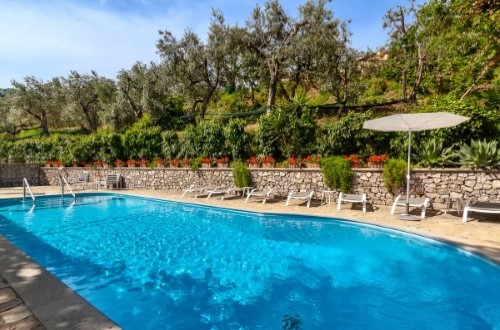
x=212, y=139
x=481, y=154
x=170, y=144
x=347, y=136
x=190, y=143
x=196, y=164
x=431, y=153
x=394, y=174
x=241, y=175
x=337, y=173
x=288, y=130
x=142, y=140
x=237, y=140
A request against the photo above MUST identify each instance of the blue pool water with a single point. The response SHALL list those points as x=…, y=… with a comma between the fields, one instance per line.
x=151, y=264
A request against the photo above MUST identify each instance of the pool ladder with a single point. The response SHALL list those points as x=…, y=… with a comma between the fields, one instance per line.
x=26, y=185
x=63, y=182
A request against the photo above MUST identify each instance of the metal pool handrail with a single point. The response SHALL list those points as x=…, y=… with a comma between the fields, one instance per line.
x=26, y=185
x=63, y=181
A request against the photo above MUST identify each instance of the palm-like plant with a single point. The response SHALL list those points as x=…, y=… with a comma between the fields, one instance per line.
x=431, y=153
x=481, y=154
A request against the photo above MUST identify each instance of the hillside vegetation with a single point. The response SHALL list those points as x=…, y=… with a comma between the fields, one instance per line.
x=282, y=85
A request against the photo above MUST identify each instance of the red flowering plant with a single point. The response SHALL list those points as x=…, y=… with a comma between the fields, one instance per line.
x=377, y=160
x=293, y=162
x=268, y=162
x=206, y=161
x=98, y=164
x=222, y=161
x=175, y=162
x=186, y=162
x=355, y=160
x=312, y=161
x=119, y=163
x=159, y=162
x=253, y=161
x=143, y=162
x=131, y=163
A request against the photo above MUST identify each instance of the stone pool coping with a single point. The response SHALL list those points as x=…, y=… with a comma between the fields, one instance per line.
x=53, y=303
x=58, y=307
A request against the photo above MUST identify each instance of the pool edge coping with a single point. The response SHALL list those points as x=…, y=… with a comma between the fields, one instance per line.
x=52, y=302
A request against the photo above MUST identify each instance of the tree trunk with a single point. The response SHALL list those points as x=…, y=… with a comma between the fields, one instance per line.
x=420, y=73
x=44, y=124
x=204, y=104
x=273, y=83
x=403, y=84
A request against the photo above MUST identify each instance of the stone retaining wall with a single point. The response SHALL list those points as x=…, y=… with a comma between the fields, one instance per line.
x=436, y=183
x=11, y=175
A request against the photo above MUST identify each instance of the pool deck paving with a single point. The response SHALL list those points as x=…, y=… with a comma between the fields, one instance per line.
x=480, y=235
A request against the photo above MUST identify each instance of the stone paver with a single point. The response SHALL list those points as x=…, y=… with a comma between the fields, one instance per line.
x=14, y=315
x=6, y=294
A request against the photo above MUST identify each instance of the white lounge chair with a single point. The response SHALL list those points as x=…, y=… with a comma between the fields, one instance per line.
x=83, y=179
x=111, y=180
x=217, y=191
x=423, y=203
x=306, y=195
x=352, y=198
x=264, y=194
x=224, y=191
x=197, y=190
x=480, y=207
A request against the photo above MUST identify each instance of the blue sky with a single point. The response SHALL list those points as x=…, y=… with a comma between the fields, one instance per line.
x=48, y=38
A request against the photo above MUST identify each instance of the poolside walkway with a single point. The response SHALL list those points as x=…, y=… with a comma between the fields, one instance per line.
x=14, y=314
x=481, y=234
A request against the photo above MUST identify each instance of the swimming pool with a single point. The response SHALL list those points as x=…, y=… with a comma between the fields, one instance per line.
x=150, y=264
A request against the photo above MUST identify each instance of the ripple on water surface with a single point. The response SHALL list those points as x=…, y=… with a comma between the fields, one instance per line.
x=152, y=264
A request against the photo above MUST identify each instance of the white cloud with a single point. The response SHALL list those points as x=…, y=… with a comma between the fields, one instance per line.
x=48, y=41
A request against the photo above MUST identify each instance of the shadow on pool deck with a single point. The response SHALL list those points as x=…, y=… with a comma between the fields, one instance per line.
x=53, y=303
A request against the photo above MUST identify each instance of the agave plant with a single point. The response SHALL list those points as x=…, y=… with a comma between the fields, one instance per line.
x=431, y=153
x=481, y=154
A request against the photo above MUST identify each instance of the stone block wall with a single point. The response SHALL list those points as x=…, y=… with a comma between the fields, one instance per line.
x=11, y=175
x=436, y=183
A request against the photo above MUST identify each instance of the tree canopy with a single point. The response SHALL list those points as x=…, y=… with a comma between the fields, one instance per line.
x=441, y=50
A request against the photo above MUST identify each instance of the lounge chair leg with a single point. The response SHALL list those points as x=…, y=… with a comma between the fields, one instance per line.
x=184, y=193
x=246, y=200
x=393, y=209
x=423, y=212
x=308, y=202
x=287, y=200
x=464, y=218
x=364, y=207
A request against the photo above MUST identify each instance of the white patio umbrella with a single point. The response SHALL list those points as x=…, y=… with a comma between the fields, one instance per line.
x=409, y=123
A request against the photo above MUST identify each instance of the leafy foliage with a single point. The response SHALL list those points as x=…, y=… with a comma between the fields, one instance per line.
x=241, y=175
x=431, y=153
x=394, y=174
x=347, y=136
x=288, y=130
x=482, y=154
x=143, y=140
x=337, y=173
x=237, y=139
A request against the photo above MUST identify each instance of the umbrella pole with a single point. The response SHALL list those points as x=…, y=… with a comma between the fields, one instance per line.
x=408, y=176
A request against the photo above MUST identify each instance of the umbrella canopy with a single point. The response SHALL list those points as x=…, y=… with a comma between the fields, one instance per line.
x=413, y=122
